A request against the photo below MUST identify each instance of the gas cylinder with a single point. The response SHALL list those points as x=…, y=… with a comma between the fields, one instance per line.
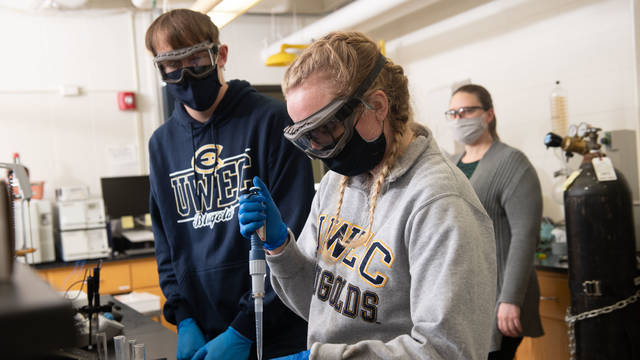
x=603, y=273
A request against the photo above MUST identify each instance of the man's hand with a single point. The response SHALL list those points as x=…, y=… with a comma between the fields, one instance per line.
x=190, y=339
x=230, y=345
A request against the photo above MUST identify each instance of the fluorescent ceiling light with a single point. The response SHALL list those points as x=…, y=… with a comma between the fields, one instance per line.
x=225, y=11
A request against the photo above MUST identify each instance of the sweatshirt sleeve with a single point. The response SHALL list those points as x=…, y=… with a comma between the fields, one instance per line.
x=175, y=308
x=522, y=203
x=452, y=270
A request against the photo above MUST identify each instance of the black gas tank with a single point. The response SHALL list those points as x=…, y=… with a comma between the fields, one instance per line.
x=602, y=265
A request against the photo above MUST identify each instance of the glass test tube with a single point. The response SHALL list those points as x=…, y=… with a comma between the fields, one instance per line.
x=139, y=352
x=120, y=344
x=131, y=342
x=101, y=345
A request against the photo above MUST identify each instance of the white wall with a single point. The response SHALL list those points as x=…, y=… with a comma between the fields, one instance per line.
x=75, y=140
x=66, y=140
x=247, y=36
x=517, y=49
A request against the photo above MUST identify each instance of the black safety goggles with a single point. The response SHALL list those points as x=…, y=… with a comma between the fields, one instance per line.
x=325, y=133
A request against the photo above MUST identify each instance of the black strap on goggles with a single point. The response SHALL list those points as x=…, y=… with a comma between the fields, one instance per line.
x=355, y=98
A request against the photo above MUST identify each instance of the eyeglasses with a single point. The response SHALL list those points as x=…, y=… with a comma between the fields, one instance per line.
x=462, y=112
x=198, y=61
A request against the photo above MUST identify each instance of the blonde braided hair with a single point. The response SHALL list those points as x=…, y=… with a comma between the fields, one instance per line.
x=346, y=58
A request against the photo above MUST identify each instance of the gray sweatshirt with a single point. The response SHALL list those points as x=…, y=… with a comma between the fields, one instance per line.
x=508, y=187
x=422, y=287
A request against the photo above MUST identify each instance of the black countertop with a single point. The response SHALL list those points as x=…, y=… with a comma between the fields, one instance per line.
x=160, y=342
x=553, y=263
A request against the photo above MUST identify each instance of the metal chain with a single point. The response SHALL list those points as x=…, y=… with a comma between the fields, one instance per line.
x=571, y=319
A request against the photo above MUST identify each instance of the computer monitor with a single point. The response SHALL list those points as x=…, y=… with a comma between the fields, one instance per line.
x=127, y=195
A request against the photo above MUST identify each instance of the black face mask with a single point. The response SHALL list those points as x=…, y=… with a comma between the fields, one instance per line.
x=358, y=155
x=198, y=94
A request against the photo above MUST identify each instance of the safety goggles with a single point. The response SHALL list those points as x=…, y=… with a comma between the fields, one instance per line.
x=325, y=133
x=197, y=61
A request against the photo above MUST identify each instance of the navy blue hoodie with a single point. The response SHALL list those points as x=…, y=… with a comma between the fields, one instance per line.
x=203, y=260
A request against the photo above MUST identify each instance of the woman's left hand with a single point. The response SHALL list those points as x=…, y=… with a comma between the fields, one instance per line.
x=509, y=319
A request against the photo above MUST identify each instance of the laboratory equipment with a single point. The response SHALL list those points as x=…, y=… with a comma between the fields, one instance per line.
x=120, y=347
x=93, y=307
x=18, y=179
x=67, y=193
x=131, y=343
x=34, y=319
x=101, y=345
x=257, y=270
x=139, y=352
x=558, y=101
x=603, y=276
x=41, y=216
x=80, y=229
x=128, y=196
x=7, y=248
x=20, y=189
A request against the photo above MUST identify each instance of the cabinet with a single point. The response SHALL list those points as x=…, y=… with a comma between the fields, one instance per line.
x=554, y=300
x=116, y=277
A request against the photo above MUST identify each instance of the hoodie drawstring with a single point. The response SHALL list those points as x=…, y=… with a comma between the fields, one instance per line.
x=213, y=131
x=193, y=169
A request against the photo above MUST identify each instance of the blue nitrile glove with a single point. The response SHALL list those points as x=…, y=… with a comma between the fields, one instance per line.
x=228, y=345
x=302, y=355
x=254, y=210
x=190, y=339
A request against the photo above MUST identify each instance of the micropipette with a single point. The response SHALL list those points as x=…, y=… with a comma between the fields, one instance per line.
x=257, y=270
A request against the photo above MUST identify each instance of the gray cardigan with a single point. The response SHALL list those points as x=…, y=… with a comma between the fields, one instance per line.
x=509, y=189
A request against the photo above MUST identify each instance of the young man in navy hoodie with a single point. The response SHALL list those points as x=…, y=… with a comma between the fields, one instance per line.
x=219, y=136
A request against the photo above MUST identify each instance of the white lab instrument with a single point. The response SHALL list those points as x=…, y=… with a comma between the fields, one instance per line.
x=81, y=229
x=41, y=215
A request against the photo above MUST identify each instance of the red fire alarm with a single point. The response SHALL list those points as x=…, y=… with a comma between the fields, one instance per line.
x=126, y=100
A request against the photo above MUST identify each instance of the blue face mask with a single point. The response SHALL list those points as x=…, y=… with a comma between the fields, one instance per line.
x=358, y=155
x=198, y=94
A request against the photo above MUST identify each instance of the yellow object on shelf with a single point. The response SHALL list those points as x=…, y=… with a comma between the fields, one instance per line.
x=284, y=58
x=127, y=222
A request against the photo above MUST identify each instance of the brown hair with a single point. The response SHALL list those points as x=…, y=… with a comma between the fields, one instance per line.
x=181, y=28
x=485, y=99
x=347, y=58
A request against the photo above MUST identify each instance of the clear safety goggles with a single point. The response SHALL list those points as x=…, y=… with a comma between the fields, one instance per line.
x=325, y=133
x=198, y=61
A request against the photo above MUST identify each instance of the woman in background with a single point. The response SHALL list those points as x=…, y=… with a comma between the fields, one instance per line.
x=508, y=187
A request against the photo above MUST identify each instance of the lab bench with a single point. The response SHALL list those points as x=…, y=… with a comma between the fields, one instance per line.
x=160, y=343
x=119, y=275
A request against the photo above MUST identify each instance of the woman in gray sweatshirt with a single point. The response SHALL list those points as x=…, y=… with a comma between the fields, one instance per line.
x=508, y=187
x=397, y=257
